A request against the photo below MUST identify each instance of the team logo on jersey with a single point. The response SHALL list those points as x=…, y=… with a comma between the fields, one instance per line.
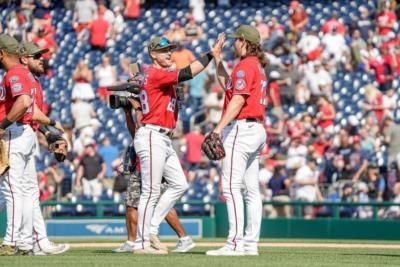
x=16, y=88
x=14, y=79
x=2, y=93
x=240, y=84
x=240, y=74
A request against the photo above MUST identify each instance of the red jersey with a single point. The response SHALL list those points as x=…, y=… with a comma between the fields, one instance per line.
x=158, y=98
x=333, y=24
x=38, y=99
x=326, y=111
x=385, y=21
x=17, y=81
x=248, y=79
x=98, y=32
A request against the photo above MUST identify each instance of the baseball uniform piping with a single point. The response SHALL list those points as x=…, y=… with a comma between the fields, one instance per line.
x=151, y=188
x=37, y=238
x=230, y=188
x=12, y=194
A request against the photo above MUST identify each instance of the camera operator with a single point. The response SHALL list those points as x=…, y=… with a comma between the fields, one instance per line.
x=133, y=113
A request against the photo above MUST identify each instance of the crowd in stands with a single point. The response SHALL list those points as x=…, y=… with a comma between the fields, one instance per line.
x=320, y=146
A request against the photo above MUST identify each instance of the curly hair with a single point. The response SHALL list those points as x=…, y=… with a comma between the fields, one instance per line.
x=255, y=49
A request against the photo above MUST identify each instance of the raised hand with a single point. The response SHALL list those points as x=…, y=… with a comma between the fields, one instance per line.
x=218, y=47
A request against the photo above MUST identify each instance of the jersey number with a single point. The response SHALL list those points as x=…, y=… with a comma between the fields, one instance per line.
x=144, y=102
x=172, y=105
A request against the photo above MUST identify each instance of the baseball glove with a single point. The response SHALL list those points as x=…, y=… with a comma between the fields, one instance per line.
x=212, y=146
x=4, y=160
x=58, y=146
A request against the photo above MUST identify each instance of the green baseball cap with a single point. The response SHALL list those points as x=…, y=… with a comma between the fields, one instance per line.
x=248, y=33
x=31, y=49
x=9, y=44
x=158, y=43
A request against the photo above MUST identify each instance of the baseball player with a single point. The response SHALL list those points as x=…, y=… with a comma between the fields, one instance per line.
x=185, y=243
x=31, y=56
x=153, y=141
x=20, y=182
x=243, y=137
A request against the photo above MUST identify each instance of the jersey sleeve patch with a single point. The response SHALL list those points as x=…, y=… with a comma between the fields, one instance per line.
x=14, y=79
x=240, y=74
x=240, y=84
x=16, y=88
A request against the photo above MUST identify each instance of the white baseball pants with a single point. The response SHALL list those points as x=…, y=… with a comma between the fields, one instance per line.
x=243, y=142
x=19, y=185
x=157, y=159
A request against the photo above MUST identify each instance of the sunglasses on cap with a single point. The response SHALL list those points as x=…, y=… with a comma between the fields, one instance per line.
x=162, y=43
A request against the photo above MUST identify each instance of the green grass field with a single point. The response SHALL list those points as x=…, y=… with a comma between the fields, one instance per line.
x=270, y=256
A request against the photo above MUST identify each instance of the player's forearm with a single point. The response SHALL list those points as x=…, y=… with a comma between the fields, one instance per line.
x=40, y=117
x=19, y=108
x=233, y=109
x=201, y=63
x=222, y=74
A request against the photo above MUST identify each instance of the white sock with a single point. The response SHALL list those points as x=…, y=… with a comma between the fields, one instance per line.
x=185, y=238
x=130, y=243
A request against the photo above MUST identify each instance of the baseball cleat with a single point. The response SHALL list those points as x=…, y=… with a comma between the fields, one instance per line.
x=184, y=244
x=151, y=250
x=156, y=243
x=51, y=249
x=224, y=251
x=6, y=250
x=125, y=247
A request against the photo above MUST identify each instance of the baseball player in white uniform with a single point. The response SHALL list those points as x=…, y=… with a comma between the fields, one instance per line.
x=243, y=137
x=153, y=142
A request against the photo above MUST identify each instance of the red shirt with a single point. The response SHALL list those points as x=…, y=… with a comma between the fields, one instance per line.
x=38, y=99
x=193, y=147
x=331, y=24
x=17, y=81
x=273, y=94
x=98, y=32
x=45, y=42
x=158, y=99
x=248, y=79
x=132, y=8
x=326, y=111
x=385, y=21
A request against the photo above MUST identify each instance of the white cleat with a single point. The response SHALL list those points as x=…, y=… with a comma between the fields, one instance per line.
x=184, y=244
x=52, y=249
x=151, y=250
x=224, y=251
x=125, y=248
x=156, y=243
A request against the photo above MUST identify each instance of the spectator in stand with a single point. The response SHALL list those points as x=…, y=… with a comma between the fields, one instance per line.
x=84, y=12
x=347, y=196
x=176, y=34
x=84, y=118
x=83, y=77
x=196, y=87
x=99, y=29
x=358, y=47
x=132, y=9
x=214, y=103
x=326, y=115
x=27, y=7
x=289, y=79
x=42, y=8
x=107, y=14
x=310, y=45
x=197, y=10
x=306, y=181
x=296, y=155
x=375, y=182
x=45, y=40
x=386, y=22
x=45, y=193
x=363, y=212
x=334, y=46
x=109, y=153
x=273, y=93
x=373, y=105
x=391, y=133
x=125, y=73
x=276, y=33
x=370, y=56
x=389, y=102
x=106, y=75
x=182, y=57
x=193, y=31
x=119, y=23
x=17, y=25
x=359, y=159
x=279, y=185
x=342, y=154
x=55, y=176
x=91, y=172
x=334, y=23
x=262, y=28
x=364, y=24
x=319, y=81
x=298, y=17
x=193, y=141
x=394, y=211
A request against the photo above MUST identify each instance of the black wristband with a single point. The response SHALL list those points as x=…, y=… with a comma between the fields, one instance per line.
x=52, y=122
x=5, y=123
x=206, y=59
